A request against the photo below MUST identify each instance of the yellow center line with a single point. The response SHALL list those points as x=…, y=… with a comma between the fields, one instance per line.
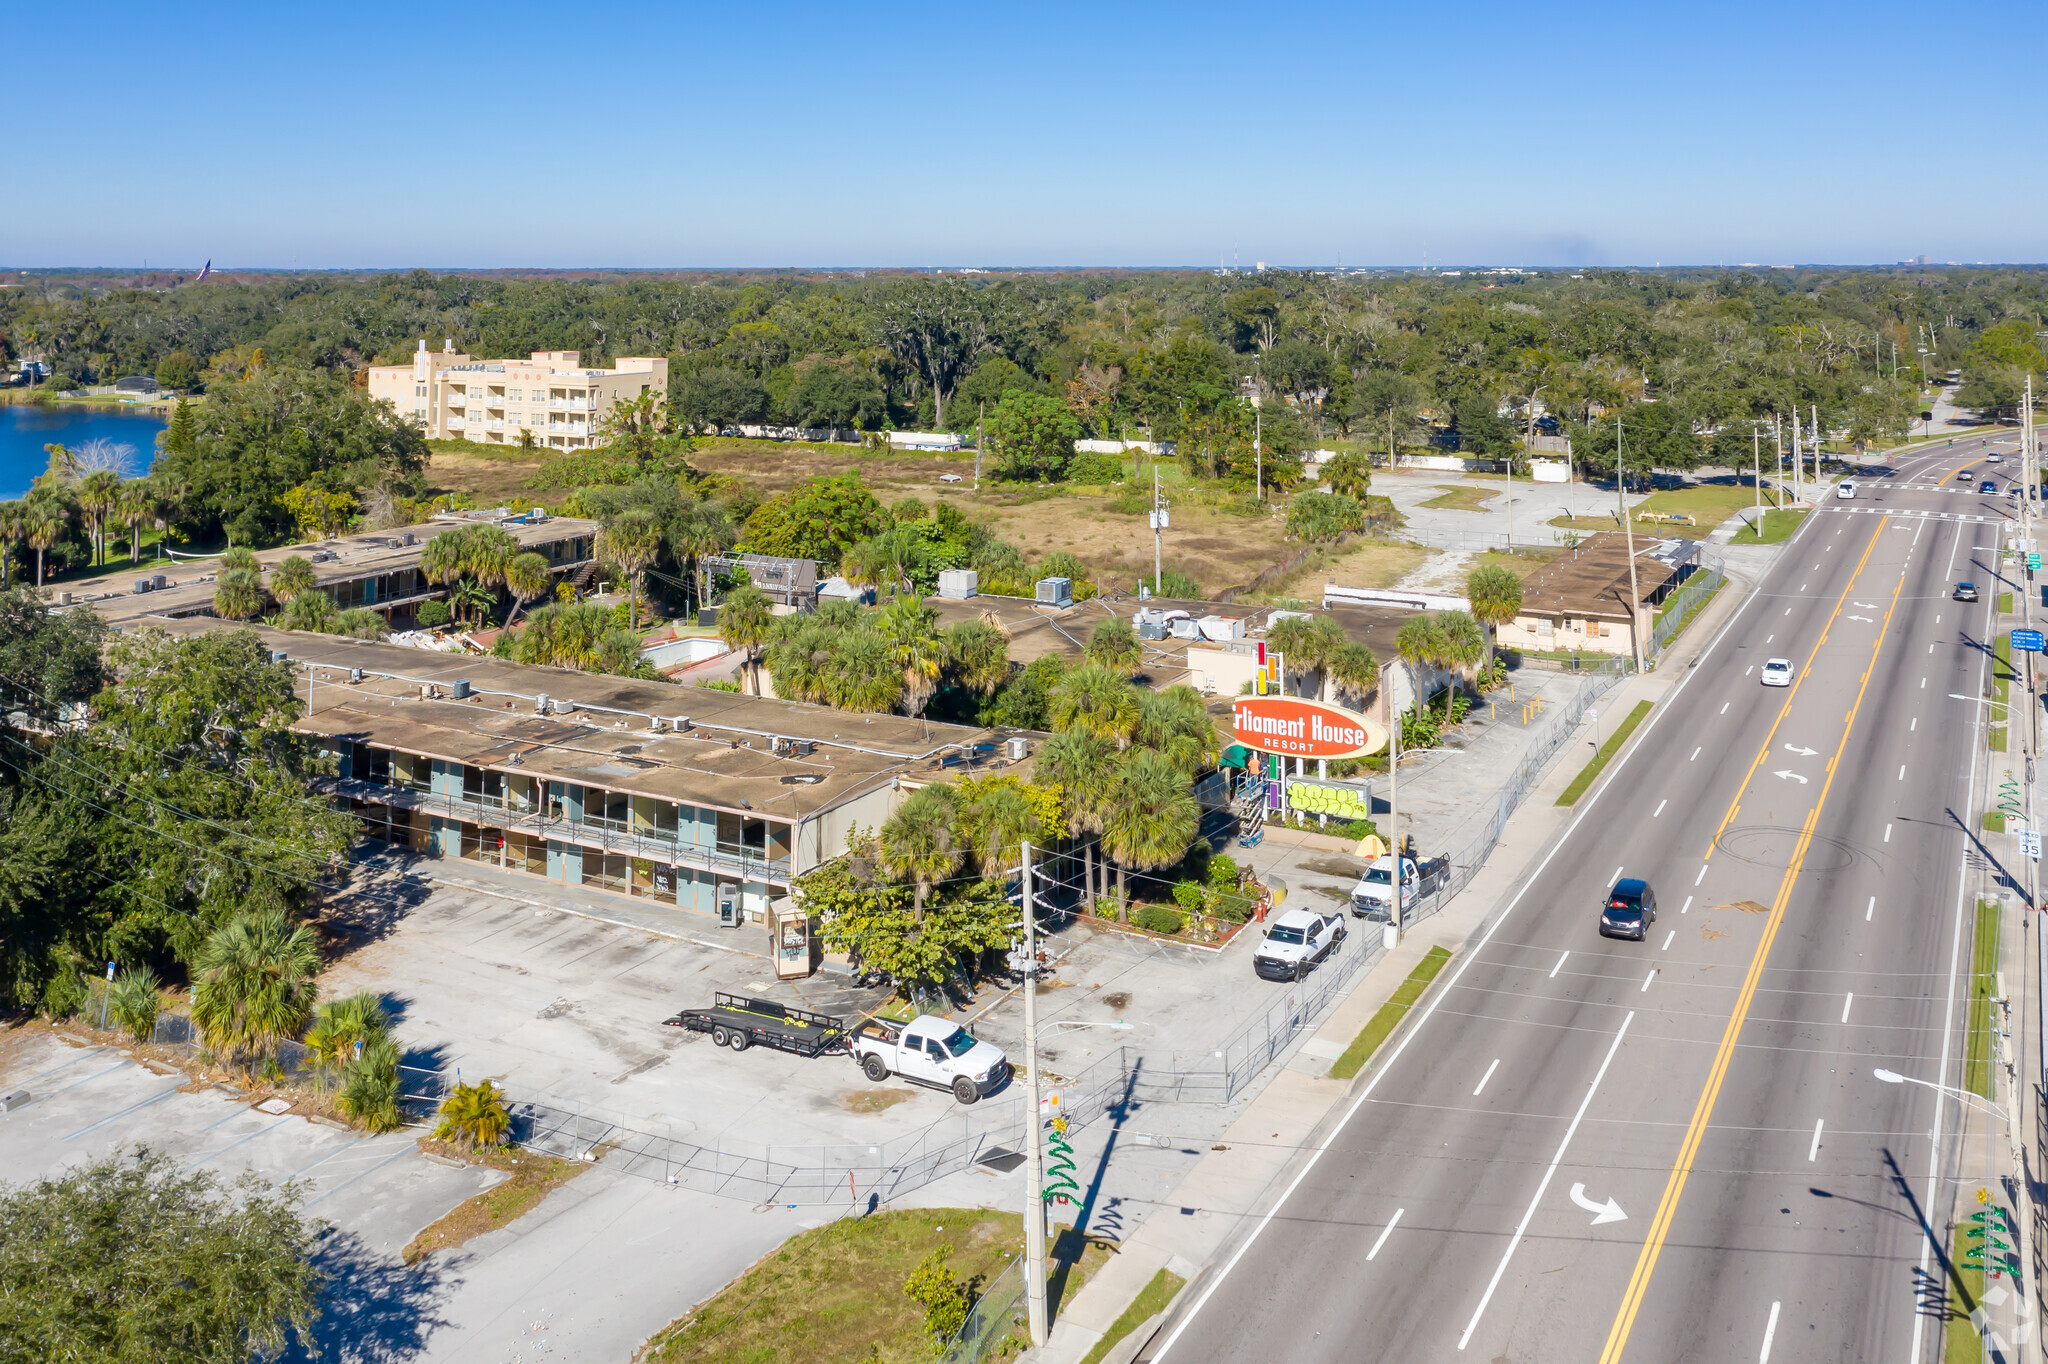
x=1667, y=1207
x=1793, y=695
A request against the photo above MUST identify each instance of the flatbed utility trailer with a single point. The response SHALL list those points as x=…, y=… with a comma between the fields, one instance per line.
x=739, y=1022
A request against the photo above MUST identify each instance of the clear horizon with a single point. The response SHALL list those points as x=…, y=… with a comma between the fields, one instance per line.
x=919, y=136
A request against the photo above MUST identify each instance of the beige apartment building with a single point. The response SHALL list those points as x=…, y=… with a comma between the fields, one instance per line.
x=453, y=396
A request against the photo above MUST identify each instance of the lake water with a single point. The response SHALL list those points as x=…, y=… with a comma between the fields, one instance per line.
x=24, y=431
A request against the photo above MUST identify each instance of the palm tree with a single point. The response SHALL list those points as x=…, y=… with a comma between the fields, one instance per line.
x=630, y=543
x=908, y=626
x=99, y=492
x=474, y=1115
x=704, y=529
x=743, y=621
x=253, y=984
x=996, y=821
x=14, y=522
x=241, y=560
x=1420, y=643
x=136, y=506
x=1115, y=646
x=471, y=599
x=1094, y=700
x=1464, y=647
x=343, y=1027
x=977, y=654
x=1354, y=669
x=1348, y=475
x=527, y=578
x=44, y=520
x=1496, y=597
x=921, y=842
x=1085, y=769
x=1306, y=644
x=238, y=594
x=293, y=576
x=311, y=610
x=863, y=673
x=1175, y=723
x=1153, y=817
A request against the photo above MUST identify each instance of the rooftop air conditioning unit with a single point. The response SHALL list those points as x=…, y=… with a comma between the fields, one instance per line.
x=958, y=584
x=1015, y=748
x=681, y=722
x=355, y=676
x=564, y=707
x=278, y=655
x=460, y=691
x=1151, y=629
x=1055, y=591
x=142, y=584
x=540, y=703
x=158, y=582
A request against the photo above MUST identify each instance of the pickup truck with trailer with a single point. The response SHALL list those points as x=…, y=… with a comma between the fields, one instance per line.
x=1373, y=897
x=739, y=1022
x=930, y=1051
x=1297, y=941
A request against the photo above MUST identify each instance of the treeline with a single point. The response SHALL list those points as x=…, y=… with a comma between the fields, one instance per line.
x=1374, y=358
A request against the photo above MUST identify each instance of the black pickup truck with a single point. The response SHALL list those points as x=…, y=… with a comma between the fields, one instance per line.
x=739, y=1022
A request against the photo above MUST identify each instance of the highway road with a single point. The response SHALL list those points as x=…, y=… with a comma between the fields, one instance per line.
x=1592, y=1149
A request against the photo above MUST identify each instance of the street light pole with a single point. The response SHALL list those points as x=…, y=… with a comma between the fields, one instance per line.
x=1034, y=1158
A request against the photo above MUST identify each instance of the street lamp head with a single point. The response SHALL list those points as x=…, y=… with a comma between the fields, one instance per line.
x=1890, y=1077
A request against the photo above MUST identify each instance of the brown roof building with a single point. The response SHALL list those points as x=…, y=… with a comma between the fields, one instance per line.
x=1579, y=601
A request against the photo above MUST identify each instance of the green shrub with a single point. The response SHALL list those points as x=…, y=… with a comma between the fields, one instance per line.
x=1093, y=466
x=65, y=994
x=1176, y=585
x=935, y=1287
x=432, y=613
x=369, y=1087
x=1323, y=516
x=1157, y=918
x=1189, y=896
x=1223, y=872
x=1232, y=907
x=132, y=1002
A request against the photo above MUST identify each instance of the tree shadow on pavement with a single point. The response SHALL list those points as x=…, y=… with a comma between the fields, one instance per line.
x=374, y=1310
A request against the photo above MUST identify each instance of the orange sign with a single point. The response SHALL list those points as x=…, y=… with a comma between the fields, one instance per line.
x=1304, y=729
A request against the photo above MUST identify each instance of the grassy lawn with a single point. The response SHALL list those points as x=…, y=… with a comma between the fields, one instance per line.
x=1607, y=750
x=2005, y=603
x=1983, y=987
x=1150, y=1302
x=1699, y=605
x=533, y=1178
x=834, y=1295
x=1960, y=1341
x=1778, y=526
x=1462, y=499
x=1390, y=1015
x=1708, y=504
x=1362, y=563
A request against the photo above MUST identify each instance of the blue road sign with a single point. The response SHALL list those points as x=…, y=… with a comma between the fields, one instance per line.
x=2027, y=641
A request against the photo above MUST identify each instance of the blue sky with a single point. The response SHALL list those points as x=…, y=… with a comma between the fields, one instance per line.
x=1056, y=134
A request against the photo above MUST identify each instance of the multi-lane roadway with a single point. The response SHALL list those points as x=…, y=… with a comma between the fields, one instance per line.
x=1595, y=1149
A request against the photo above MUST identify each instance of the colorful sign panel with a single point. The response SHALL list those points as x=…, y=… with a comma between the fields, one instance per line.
x=1295, y=728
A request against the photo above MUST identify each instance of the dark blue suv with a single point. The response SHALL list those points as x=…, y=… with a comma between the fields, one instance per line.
x=1629, y=910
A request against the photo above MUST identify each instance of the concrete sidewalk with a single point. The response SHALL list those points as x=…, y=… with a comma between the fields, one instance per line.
x=1219, y=1202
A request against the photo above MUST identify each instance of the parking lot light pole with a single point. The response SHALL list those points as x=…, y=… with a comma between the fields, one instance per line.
x=1034, y=1158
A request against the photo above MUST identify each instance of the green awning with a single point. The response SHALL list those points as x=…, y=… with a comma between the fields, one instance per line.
x=1237, y=755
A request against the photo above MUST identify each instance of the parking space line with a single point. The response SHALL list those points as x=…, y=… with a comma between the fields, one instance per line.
x=76, y=1060
x=122, y=1113
x=88, y=1079
x=401, y=1153
x=266, y=1128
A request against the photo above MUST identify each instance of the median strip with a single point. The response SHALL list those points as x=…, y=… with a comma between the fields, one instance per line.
x=1153, y=1299
x=1390, y=1015
x=1607, y=751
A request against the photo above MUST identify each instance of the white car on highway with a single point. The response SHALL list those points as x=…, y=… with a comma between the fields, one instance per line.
x=1845, y=490
x=1777, y=672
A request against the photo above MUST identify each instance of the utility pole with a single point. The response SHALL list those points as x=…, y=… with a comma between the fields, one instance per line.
x=1394, y=926
x=980, y=414
x=1034, y=1157
x=1815, y=410
x=1258, y=450
x=1756, y=453
x=1158, y=525
x=1778, y=457
x=1798, y=458
x=1635, y=598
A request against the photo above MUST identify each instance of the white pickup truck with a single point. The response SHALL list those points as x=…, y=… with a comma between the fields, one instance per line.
x=1373, y=896
x=930, y=1051
x=1296, y=943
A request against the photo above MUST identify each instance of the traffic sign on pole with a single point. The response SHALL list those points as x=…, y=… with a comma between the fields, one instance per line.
x=2030, y=844
x=2027, y=641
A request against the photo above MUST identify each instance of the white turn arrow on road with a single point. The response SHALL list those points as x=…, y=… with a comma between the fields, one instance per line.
x=1866, y=605
x=1610, y=1211
x=1865, y=619
x=1782, y=772
x=1803, y=752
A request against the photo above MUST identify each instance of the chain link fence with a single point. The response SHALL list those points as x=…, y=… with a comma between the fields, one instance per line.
x=997, y=1316
x=1681, y=606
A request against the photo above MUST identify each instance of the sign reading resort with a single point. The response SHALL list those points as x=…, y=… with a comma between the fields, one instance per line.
x=1303, y=729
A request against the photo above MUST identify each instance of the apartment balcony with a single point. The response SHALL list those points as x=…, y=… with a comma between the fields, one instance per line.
x=728, y=859
x=455, y=423
x=496, y=424
x=572, y=404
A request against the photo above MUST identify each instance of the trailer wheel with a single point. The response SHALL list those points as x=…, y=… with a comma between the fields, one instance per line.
x=965, y=1090
x=718, y=1036
x=875, y=1069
